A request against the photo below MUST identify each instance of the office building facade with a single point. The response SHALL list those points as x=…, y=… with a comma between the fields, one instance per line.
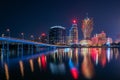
x=57, y=35
x=73, y=34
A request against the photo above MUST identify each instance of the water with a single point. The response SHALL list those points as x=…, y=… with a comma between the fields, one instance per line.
x=64, y=64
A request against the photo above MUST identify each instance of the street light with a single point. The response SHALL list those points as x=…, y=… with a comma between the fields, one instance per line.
x=8, y=30
x=39, y=39
x=3, y=35
x=32, y=37
x=22, y=35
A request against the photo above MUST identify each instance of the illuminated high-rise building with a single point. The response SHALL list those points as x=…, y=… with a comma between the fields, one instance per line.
x=73, y=34
x=57, y=35
x=87, y=27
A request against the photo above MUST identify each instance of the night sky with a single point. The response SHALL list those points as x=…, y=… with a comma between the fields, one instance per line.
x=37, y=16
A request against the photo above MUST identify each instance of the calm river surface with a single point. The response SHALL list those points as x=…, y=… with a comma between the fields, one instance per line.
x=64, y=64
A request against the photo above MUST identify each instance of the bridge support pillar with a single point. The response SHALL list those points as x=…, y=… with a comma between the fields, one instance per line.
x=22, y=50
x=37, y=49
x=8, y=51
x=2, y=51
x=28, y=49
x=32, y=49
x=18, y=50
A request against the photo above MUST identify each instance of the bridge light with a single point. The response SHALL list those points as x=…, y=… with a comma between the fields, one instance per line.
x=3, y=35
x=22, y=33
x=8, y=30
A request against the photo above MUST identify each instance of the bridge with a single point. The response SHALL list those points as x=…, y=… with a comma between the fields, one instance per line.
x=19, y=47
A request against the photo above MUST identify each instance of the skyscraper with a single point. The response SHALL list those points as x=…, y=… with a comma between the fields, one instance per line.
x=87, y=27
x=57, y=35
x=73, y=33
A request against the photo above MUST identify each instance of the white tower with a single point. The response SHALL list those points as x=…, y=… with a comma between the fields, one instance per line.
x=73, y=34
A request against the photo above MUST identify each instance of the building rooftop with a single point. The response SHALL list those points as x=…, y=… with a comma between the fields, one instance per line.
x=57, y=27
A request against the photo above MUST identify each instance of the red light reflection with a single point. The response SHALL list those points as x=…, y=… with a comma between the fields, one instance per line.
x=74, y=73
x=43, y=61
x=94, y=53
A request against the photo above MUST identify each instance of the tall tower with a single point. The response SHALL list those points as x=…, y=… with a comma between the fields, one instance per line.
x=87, y=27
x=73, y=34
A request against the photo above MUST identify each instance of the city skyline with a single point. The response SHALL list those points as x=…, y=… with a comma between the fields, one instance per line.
x=74, y=23
x=59, y=39
x=36, y=17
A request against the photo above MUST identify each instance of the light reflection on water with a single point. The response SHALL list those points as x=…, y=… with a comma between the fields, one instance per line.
x=31, y=65
x=6, y=71
x=21, y=68
x=43, y=61
x=39, y=62
x=75, y=62
x=87, y=67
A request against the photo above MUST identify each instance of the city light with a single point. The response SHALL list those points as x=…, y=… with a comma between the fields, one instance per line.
x=22, y=35
x=58, y=40
x=3, y=35
x=43, y=34
x=8, y=30
x=74, y=21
